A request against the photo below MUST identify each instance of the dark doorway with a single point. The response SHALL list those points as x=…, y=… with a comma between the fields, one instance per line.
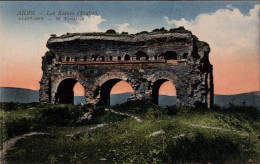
x=65, y=93
x=127, y=57
x=165, y=91
x=169, y=55
x=105, y=91
x=141, y=55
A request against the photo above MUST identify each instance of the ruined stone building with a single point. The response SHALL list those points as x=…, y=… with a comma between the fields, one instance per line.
x=145, y=61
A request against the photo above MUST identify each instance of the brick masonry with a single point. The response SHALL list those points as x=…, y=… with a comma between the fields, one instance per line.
x=98, y=61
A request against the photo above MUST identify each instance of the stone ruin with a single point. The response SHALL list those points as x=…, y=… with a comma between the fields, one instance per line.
x=144, y=60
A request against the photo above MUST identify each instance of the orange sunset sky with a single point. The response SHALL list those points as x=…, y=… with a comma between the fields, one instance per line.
x=233, y=36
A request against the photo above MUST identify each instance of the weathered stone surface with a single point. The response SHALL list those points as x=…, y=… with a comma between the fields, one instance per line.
x=144, y=61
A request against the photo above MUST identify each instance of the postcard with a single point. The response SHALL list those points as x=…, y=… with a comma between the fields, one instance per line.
x=129, y=82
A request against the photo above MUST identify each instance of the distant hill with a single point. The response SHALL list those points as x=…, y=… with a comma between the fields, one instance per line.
x=9, y=94
x=250, y=99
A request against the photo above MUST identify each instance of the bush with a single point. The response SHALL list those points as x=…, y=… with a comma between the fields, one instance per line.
x=60, y=115
x=111, y=31
x=163, y=29
x=156, y=30
x=124, y=33
x=142, y=32
x=20, y=126
x=180, y=29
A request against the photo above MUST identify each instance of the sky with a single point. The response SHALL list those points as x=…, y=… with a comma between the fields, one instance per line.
x=230, y=28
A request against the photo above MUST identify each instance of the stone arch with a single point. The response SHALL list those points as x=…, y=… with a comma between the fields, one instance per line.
x=102, y=58
x=67, y=59
x=85, y=59
x=64, y=90
x=140, y=55
x=105, y=83
x=110, y=75
x=75, y=59
x=157, y=79
x=163, y=74
x=105, y=90
x=119, y=58
x=156, y=87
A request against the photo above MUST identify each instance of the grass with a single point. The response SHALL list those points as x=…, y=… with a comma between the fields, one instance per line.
x=124, y=140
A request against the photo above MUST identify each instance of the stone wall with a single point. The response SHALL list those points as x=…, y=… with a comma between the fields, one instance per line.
x=145, y=61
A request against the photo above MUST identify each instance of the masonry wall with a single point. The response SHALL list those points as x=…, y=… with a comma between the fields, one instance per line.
x=145, y=62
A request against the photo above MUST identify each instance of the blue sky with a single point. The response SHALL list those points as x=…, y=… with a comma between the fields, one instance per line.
x=140, y=15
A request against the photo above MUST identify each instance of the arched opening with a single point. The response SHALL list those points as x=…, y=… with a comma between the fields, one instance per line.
x=119, y=58
x=60, y=59
x=127, y=57
x=164, y=93
x=110, y=58
x=75, y=59
x=67, y=59
x=155, y=57
x=65, y=91
x=85, y=59
x=141, y=56
x=94, y=57
x=185, y=55
x=120, y=93
x=169, y=55
x=105, y=91
x=102, y=58
x=114, y=91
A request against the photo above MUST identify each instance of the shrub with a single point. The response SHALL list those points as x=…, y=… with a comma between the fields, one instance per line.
x=180, y=29
x=142, y=32
x=156, y=30
x=61, y=115
x=20, y=126
x=111, y=31
x=163, y=29
x=124, y=33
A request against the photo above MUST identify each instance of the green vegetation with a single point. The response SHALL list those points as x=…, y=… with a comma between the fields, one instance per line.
x=124, y=140
x=142, y=32
x=180, y=29
x=111, y=31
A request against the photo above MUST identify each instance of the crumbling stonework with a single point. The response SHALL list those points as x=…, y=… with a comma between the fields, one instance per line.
x=99, y=60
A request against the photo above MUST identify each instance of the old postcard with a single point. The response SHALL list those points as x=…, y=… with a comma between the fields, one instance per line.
x=129, y=82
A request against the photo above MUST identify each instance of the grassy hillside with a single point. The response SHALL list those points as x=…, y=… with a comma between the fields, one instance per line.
x=171, y=135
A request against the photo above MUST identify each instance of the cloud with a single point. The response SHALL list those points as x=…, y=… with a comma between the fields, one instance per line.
x=89, y=24
x=226, y=29
x=234, y=41
x=125, y=28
